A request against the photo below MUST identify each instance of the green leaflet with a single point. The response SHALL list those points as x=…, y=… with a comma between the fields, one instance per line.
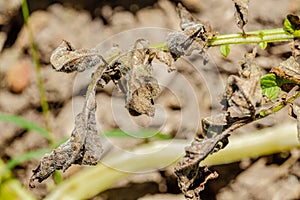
x=225, y=50
x=272, y=92
x=292, y=25
x=270, y=86
x=263, y=45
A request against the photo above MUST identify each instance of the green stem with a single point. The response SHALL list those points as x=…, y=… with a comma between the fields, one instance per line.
x=278, y=106
x=253, y=37
x=44, y=103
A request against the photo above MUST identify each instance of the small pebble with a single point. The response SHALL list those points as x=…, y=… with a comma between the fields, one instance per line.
x=18, y=78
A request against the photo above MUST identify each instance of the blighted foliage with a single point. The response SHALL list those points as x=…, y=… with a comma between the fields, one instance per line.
x=241, y=13
x=248, y=96
x=130, y=70
x=193, y=36
x=84, y=146
x=243, y=102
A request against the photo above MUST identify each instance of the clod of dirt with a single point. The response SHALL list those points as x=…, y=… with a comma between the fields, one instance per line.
x=19, y=77
x=265, y=182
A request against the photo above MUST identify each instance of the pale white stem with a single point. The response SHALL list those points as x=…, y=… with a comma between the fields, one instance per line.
x=158, y=154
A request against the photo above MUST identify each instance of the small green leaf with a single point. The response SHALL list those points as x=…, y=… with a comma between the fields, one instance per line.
x=287, y=26
x=271, y=92
x=57, y=176
x=225, y=50
x=263, y=45
x=292, y=24
x=160, y=46
x=268, y=80
x=262, y=113
x=270, y=86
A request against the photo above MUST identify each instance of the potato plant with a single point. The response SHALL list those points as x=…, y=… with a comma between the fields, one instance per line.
x=248, y=96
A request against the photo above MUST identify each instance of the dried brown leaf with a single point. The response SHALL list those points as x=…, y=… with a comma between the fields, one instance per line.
x=241, y=13
x=66, y=59
x=84, y=146
x=193, y=36
x=186, y=18
x=243, y=94
x=166, y=58
x=131, y=71
x=191, y=175
x=295, y=21
x=242, y=100
x=288, y=69
x=140, y=85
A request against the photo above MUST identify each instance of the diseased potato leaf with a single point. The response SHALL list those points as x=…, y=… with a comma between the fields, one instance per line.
x=130, y=70
x=66, y=59
x=289, y=71
x=241, y=13
x=193, y=36
x=243, y=94
x=84, y=146
x=242, y=101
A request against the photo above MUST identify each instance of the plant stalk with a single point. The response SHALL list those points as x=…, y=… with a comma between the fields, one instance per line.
x=44, y=103
x=251, y=37
x=93, y=180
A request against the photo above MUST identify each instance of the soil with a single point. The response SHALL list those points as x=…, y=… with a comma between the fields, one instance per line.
x=87, y=24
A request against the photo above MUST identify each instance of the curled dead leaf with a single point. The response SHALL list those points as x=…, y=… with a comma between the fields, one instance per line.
x=193, y=36
x=288, y=69
x=66, y=59
x=241, y=13
x=84, y=146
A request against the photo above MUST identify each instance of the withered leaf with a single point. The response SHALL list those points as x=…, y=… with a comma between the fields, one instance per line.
x=166, y=58
x=244, y=94
x=84, y=146
x=241, y=13
x=186, y=18
x=242, y=99
x=288, y=69
x=191, y=175
x=66, y=59
x=137, y=81
x=295, y=47
x=295, y=112
x=193, y=36
x=214, y=125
